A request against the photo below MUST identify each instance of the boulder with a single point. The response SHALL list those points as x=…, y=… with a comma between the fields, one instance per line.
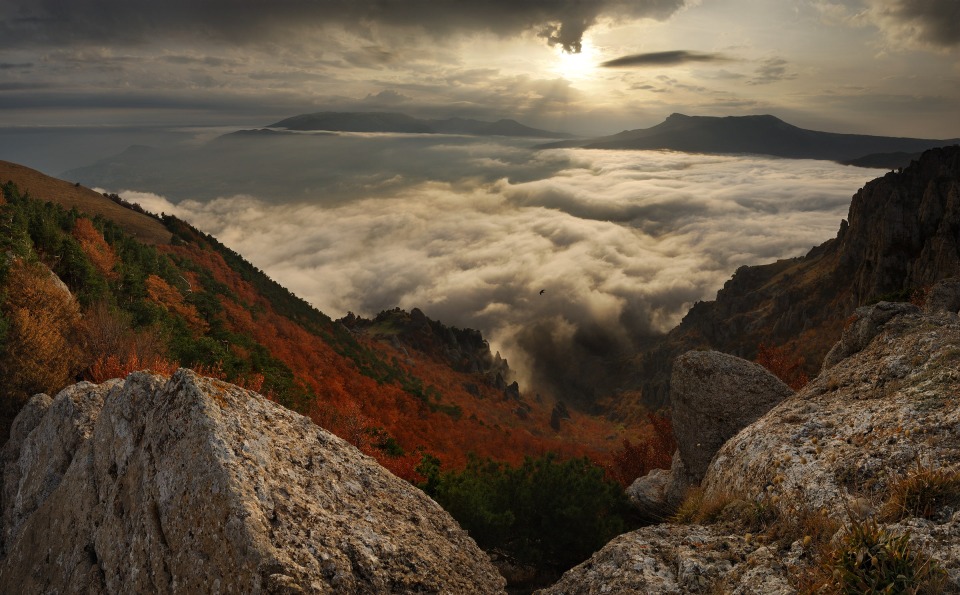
x=679, y=559
x=657, y=494
x=194, y=485
x=867, y=323
x=858, y=429
x=834, y=451
x=944, y=296
x=713, y=396
x=43, y=441
x=857, y=426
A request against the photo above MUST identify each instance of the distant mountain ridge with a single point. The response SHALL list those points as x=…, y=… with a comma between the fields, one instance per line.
x=397, y=122
x=760, y=134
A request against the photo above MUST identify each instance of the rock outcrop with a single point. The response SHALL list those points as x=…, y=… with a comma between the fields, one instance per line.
x=679, y=559
x=713, y=396
x=903, y=234
x=887, y=408
x=859, y=425
x=192, y=485
x=464, y=350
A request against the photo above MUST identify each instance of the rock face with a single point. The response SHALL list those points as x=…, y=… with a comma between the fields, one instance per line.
x=465, y=350
x=713, y=396
x=193, y=485
x=837, y=447
x=903, y=234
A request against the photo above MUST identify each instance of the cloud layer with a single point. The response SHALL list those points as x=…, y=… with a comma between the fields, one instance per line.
x=560, y=22
x=622, y=242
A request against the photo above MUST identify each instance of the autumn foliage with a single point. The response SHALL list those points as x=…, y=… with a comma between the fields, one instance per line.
x=786, y=367
x=194, y=303
x=633, y=460
x=114, y=366
x=101, y=255
x=171, y=299
x=42, y=331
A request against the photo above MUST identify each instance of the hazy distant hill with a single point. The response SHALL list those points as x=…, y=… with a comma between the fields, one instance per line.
x=764, y=135
x=396, y=122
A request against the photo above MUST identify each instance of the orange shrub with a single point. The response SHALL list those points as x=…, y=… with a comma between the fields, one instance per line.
x=631, y=461
x=787, y=368
x=114, y=366
x=95, y=248
x=167, y=296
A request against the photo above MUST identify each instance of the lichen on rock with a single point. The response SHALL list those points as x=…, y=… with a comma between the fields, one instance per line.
x=194, y=485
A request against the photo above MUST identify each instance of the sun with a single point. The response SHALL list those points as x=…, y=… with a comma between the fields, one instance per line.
x=577, y=66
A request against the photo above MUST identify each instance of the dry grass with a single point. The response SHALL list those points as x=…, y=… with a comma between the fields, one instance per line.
x=737, y=512
x=869, y=558
x=860, y=556
x=923, y=492
x=43, y=187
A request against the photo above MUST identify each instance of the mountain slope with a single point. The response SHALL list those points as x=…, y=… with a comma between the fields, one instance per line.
x=193, y=302
x=397, y=122
x=903, y=235
x=765, y=135
x=145, y=228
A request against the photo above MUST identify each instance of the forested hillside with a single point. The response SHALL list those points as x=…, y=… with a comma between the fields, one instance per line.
x=195, y=303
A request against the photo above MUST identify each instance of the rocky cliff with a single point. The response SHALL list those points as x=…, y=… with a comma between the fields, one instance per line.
x=902, y=234
x=856, y=474
x=193, y=485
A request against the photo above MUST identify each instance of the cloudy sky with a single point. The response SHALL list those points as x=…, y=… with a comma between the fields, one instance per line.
x=889, y=67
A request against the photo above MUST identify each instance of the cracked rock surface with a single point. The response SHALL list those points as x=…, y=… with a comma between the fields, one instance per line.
x=193, y=485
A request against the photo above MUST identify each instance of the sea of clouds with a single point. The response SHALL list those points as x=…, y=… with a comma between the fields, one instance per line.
x=470, y=231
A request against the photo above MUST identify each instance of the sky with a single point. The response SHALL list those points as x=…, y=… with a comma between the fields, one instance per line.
x=470, y=229
x=590, y=67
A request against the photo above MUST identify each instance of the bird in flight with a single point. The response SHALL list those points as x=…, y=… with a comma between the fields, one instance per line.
x=543, y=291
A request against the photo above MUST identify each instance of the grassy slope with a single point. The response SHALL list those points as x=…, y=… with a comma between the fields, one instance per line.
x=142, y=227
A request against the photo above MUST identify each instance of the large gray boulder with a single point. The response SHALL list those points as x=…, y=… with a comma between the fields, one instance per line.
x=193, y=485
x=713, y=396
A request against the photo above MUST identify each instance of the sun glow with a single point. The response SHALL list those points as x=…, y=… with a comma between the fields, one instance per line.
x=577, y=66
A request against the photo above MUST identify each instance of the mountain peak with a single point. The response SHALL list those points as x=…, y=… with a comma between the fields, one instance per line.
x=759, y=134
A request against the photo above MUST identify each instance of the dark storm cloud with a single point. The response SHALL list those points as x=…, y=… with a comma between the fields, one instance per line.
x=671, y=58
x=936, y=22
x=560, y=22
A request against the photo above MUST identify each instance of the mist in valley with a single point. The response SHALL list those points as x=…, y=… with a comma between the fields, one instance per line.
x=470, y=229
